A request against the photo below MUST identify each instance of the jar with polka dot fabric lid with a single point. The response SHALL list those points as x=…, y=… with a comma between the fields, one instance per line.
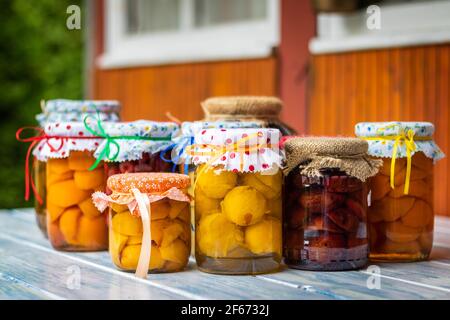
x=149, y=221
x=237, y=194
x=73, y=222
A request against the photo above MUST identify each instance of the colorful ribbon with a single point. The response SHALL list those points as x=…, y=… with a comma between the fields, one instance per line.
x=402, y=137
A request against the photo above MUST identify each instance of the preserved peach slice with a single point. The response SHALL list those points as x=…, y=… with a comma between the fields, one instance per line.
x=419, y=215
x=264, y=237
x=176, y=207
x=58, y=166
x=68, y=224
x=89, y=180
x=93, y=232
x=57, y=177
x=170, y=233
x=398, y=232
x=417, y=188
x=88, y=208
x=215, y=184
x=80, y=160
x=416, y=174
x=130, y=257
x=204, y=205
x=119, y=207
x=66, y=193
x=127, y=224
x=268, y=185
x=390, y=209
x=54, y=211
x=177, y=251
x=160, y=209
x=134, y=240
x=117, y=242
x=379, y=187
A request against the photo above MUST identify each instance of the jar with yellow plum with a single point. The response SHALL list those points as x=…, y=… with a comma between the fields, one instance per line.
x=149, y=221
x=63, y=110
x=73, y=222
x=238, y=204
x=401, y=214
x=325, y=203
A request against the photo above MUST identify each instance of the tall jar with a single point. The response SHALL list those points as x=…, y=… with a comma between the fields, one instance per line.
x=238, y=205
x=149, y=221
x=73, y=222
x=138, y=147
x=62, y=110
x=401, y=214
x=325, y=203
x=265, y=110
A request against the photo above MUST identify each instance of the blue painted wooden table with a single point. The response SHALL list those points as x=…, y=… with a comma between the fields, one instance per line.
x=31, y=269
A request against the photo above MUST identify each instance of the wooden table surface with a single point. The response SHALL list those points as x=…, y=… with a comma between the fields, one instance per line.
x=31, y=269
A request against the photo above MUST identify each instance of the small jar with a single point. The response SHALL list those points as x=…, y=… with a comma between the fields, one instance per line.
x=238, y=205
x=265, y=110
x=73, y=222
x=165, y=246
x=62, y=110
x=140, y=147
x=325, y=204
x=401, y=214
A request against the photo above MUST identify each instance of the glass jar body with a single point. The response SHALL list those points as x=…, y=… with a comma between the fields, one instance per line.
x=237, y=221
x=73, y=222
x=325, y=223
x=401, y=225
x=170, y=236
x=39, y=176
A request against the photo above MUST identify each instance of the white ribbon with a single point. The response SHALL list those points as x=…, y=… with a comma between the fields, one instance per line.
x=146, y=246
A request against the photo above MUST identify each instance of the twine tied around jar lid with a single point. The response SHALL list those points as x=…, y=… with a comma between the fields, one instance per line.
x=242, y=107
x=312, y=154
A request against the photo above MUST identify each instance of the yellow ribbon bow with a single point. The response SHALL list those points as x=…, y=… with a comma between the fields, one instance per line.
x=402, y=137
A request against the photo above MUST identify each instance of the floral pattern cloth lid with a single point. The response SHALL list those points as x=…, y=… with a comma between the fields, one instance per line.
x=190, y=129
x=138, y=137
x=64, y=110
x=238, y=150
x=60, y=138
x=382, y=137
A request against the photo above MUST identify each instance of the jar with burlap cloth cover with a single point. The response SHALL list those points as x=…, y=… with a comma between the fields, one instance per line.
x=247, y=108
x=325, y=203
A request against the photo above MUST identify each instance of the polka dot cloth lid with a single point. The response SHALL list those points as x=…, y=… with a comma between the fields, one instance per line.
x=147, y=182
x=238, y=150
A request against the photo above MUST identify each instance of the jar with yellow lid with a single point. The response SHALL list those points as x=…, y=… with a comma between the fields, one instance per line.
x=149, y=221
x=238, y=204
x=401, y=214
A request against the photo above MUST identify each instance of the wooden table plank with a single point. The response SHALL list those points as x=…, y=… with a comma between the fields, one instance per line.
x=24, y=274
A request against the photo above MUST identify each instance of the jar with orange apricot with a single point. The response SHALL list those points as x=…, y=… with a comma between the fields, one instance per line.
x=57, y=111
x=238, y=204
x=73, y=222
x=149, y=221
x=401, y=214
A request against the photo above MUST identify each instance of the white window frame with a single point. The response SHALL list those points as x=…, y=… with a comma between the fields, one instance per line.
x=402, y=24
x=256, y=39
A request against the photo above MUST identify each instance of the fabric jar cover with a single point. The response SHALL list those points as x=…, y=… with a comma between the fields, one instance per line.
x=63, y=110
x=313, y=154
x=64, y=137
x=380, y=136
x=133, y=149
x=190, y=129
x=238, y=150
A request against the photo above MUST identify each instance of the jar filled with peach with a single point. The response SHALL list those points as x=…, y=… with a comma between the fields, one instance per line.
x=238, y=204
x=149, y=221
x=401, y=214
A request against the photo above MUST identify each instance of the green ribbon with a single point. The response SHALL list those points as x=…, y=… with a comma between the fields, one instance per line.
x=102, y=134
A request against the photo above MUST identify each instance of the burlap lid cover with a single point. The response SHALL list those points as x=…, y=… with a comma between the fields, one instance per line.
x=242, y=107
x=312, y=154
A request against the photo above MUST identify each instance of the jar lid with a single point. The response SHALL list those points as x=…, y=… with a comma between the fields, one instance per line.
x=242, y=106
x=383, y=136
x=63, y=110
x=138, y=137
x=63, y=137
x=313, y=154
x=238, y=150
x=147, y=182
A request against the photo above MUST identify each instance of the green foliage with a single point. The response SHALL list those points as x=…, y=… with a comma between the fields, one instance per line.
x=39, y=59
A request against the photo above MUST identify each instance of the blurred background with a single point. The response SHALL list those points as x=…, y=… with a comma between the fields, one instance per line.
x=333, y=62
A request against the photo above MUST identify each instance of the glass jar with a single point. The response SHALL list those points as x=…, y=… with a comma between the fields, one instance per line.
x=401, y=214
x=325, y=221
x=169, y=240
x=265, y=110
x=325, y=203
x=238, y=202
x=73, y=222
x=63, y=110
